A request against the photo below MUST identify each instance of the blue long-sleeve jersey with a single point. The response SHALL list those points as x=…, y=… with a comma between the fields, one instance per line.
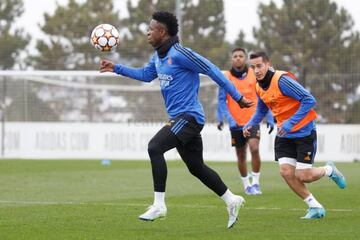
x=178, y=73
x=292, y=89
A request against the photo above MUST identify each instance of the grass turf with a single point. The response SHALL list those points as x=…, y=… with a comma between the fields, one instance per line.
x=85, y=200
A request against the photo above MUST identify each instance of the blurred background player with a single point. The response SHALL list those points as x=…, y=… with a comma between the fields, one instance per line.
x=178, y=71
x=295, y=143
x=244, y=80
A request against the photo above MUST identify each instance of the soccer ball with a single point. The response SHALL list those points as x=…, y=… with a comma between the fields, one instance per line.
x=105, y=37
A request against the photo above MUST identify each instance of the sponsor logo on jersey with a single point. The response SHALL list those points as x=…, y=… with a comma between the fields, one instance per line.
x=164, y=79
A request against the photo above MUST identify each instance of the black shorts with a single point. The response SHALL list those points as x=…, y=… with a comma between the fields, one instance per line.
x=238, y=139
x=302, y=149
x=187, y=130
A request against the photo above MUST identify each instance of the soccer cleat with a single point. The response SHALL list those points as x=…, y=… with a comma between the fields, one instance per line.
x=153, y=212
x=314, y=213
x=256, y=189
x=337, y=176
x=249, y=190
x=233, y=210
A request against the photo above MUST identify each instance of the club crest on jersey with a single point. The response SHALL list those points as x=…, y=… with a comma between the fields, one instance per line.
x=169, y=61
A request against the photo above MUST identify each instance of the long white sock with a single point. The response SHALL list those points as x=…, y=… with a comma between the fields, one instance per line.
x=312, y=202
x=228, y=197
x=159, y=198
x=255, y=178
x=246, y=181
x=328, y=170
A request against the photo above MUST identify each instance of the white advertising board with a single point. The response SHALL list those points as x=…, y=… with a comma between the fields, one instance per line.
x=129, y=141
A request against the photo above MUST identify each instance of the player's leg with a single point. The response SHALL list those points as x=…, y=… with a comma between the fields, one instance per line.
x=192, y=155
x=163, y=141
x=240, y=143
x=306, y=173
x=286, y=154
x=287, y=172
x=306, y=149
x=241, y=160
x=256, y=164
x=253, y=142
x=242, y=167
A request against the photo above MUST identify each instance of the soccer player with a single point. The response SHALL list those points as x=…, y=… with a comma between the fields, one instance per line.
x=295, y=143
x=244, y=80
x=178, y=71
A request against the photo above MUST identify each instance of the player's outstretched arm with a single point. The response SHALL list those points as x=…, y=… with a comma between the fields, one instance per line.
x=197, y=63
x=106, y=66
x=144, y=74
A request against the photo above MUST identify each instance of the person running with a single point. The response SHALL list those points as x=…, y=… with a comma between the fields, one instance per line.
x=177, y=69
x=295, y=143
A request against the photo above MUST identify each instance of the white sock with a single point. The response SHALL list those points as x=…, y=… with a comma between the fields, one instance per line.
x=159, y=198
x=228, y=197
x=246, y=181
x=328, y=170
x=312, y=202
x=255, y=177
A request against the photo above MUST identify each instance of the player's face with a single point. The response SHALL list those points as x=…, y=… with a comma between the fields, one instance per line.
x=238, y=59
x=155, y=33
x=260, y=67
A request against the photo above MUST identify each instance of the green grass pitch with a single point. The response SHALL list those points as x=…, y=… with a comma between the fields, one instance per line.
x=85, y=200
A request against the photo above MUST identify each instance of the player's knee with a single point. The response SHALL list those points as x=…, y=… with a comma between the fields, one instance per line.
x=304, y=176
x=286, y=173
x=254, y=150
x=154, y=148
x=195, y=170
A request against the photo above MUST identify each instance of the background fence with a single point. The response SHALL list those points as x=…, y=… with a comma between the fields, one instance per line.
x=88, y=96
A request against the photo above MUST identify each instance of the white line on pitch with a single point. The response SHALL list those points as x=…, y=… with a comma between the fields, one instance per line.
x=144, y=205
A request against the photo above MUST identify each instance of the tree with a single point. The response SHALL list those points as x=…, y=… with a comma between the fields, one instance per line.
x=11, y=43
x=300, y=39
x=68, y=30
x=241, y=42
x=67, y=47
x=24, y=104
x=204, y=30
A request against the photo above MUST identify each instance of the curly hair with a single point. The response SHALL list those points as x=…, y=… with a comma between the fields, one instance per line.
x=169, y=20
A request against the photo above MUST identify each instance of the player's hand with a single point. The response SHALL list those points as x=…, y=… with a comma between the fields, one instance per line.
x=106, y=66
x=220, y=126
x=245, y=103
x=246, y=131
x=270, y=126
x=285, y=128
x=281, y=132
